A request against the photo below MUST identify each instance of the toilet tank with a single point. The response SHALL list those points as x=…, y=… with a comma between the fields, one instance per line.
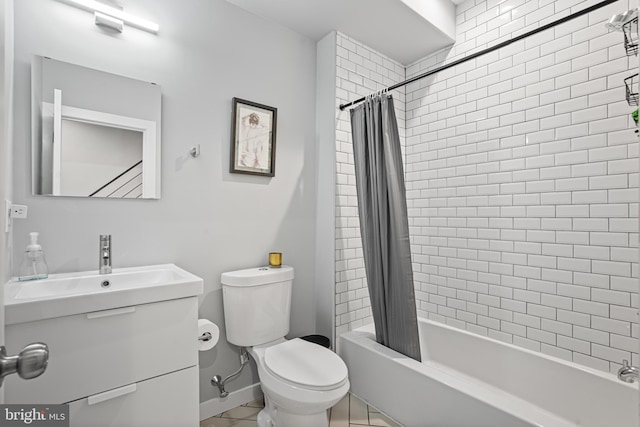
x=257, y=304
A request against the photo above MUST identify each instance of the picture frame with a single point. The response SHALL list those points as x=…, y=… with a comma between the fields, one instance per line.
x=253, y=138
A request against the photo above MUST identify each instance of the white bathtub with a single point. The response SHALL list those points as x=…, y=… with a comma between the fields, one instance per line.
x=466, y=380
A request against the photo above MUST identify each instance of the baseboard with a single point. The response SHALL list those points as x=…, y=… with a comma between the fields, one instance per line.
x=236, y=398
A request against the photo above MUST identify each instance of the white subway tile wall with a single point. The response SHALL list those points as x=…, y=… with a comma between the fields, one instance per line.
x=359, y=72
x=522, y=173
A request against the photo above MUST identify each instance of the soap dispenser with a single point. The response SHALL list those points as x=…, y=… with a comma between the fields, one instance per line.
x=33, y=266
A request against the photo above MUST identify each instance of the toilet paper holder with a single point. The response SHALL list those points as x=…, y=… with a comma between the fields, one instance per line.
x=208, y=334
x=205, y=337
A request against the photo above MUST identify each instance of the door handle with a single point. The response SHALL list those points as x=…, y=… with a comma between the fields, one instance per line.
x=30, y=363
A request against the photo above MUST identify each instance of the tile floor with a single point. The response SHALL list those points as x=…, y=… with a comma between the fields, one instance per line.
x=349, y=412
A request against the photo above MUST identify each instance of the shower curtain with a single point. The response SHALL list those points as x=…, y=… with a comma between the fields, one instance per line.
x=384, y=224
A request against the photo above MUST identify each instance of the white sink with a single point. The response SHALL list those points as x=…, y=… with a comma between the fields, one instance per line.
x=73, y=293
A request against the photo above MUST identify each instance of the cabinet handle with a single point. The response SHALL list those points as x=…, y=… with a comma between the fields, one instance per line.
x=114, y=312
x=111, y=394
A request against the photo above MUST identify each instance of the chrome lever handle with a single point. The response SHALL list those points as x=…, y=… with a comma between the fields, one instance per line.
x=30, y=363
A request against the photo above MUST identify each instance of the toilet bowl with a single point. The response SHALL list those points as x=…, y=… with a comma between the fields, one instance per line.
x=300, y=380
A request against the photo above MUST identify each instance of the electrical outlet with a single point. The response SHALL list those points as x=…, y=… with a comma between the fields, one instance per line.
x=12, y=211
x=18, y=211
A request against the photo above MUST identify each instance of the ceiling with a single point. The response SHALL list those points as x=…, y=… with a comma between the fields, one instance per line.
x=403, y=30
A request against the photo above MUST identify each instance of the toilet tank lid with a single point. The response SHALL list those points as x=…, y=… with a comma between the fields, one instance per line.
x=257, y=276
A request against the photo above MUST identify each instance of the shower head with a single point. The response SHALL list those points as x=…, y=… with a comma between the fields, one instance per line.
x=617, y=21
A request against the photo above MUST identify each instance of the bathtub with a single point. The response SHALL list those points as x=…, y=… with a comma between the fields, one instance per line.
x=467, y=380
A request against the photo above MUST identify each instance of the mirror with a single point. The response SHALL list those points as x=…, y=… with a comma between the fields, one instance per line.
x=94, y=134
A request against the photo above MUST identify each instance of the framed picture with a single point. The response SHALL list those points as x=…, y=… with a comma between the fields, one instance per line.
x=253, y=138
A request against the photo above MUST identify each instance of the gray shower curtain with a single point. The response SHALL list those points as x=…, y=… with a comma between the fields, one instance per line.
x=384, y=224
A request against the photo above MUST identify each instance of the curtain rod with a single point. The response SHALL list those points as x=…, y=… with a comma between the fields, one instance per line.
x=489, y=49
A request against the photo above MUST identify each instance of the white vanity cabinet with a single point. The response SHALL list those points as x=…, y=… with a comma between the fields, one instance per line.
x=128, y=366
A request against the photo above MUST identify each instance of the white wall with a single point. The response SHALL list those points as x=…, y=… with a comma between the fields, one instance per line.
x=522, y=176
x=208, y=220
x=326, y=190
x=441, y=14
x=6, y=134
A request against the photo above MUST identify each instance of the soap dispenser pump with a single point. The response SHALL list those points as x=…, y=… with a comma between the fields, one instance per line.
x=33, y=266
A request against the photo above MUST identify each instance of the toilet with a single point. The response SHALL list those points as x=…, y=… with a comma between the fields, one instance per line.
x=300, y=380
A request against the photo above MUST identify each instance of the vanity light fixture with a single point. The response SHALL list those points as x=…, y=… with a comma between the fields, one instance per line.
x=109, y=22
x=114, y=17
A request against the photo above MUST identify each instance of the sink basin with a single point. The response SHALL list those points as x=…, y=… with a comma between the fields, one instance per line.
x=70, y=285
x=72, y=293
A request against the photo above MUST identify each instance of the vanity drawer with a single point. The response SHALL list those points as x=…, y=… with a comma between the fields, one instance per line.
x=93, y=352
x=167, y=401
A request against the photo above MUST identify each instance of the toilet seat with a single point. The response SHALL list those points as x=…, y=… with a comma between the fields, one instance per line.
x=304, y=364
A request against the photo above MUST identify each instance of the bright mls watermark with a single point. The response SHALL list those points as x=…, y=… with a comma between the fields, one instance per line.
x=34, y=415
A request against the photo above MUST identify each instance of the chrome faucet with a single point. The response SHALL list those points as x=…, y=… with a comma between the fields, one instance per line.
x=105, y=254
x=627, y=373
